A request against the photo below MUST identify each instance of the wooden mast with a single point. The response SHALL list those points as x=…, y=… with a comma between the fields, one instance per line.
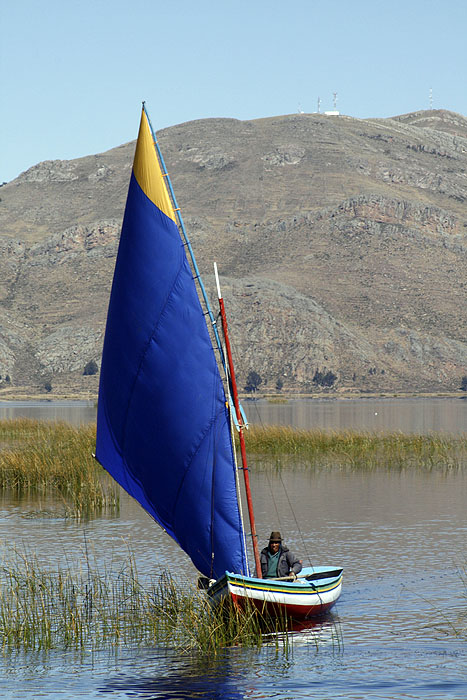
x=238, y=412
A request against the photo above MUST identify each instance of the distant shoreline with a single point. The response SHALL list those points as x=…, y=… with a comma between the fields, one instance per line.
x=11, y=396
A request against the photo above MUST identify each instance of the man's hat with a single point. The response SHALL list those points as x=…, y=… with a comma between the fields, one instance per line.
x=275, y=536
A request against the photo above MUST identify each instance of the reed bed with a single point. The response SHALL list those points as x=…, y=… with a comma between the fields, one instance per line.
x=93, y=609
x=284, y=446
x=46, y=458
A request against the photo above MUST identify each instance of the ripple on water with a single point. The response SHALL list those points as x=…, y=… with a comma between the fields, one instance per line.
x=401, y=540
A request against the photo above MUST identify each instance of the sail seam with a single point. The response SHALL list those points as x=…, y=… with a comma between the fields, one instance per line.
x=195, y=452
x=145, y=351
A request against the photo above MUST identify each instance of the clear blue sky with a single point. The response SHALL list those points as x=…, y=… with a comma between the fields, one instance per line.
x=74, y=72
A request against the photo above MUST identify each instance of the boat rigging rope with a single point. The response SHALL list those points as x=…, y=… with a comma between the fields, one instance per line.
x=239, y=496
x=305, y=549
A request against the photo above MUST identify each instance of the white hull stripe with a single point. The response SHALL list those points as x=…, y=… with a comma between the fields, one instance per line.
x=282, y=597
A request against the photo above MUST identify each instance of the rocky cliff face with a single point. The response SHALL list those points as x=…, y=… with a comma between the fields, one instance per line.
x=342, y=244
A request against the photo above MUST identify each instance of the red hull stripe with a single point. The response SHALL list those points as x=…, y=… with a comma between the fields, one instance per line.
x=296, y=611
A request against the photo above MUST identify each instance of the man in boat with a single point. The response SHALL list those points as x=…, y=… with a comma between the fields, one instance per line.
x=277, y=560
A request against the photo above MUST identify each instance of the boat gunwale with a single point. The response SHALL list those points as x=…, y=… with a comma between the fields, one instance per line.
x=300, y=587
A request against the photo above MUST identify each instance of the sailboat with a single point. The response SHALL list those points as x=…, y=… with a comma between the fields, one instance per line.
x=165, y=416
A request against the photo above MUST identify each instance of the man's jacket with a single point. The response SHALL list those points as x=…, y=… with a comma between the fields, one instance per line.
x=287, y=562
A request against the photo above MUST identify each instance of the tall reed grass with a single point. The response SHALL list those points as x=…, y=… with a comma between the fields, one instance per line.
x=46, y=458
x=284, y=446
x=93, y=609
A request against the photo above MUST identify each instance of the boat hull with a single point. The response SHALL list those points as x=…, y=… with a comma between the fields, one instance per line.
x=301, y=599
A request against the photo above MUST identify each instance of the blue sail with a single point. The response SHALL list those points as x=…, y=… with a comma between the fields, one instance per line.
x=163, y=427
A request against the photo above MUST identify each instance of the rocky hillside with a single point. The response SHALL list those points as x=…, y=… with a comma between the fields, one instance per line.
x=342, y=244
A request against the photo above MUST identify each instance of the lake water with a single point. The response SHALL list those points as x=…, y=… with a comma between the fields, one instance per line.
x=412, y=415
x=399, y=535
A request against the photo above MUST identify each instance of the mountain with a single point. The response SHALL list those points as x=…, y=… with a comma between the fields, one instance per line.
x=341, y=243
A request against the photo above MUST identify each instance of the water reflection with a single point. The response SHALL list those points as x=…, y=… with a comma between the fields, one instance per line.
x=406, y=415
x=317, y=633
x=384, y=671
x=234, y=674
x=75, y=412
x=175, y=677
x=379, y=671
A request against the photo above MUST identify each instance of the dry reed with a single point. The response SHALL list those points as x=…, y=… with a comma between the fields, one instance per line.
x=92, y=609
x=46, y=458
x=285, y=446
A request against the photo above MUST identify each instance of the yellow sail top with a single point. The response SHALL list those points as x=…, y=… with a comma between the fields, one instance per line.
x=147, y=170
